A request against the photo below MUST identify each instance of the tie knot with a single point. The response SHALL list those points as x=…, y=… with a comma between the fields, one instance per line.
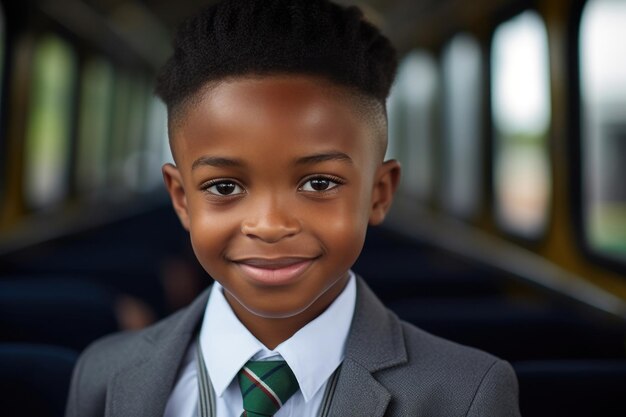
x=265, y=387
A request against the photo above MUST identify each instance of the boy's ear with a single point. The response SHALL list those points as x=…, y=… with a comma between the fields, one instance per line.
x=385, y=185
x=174, y=185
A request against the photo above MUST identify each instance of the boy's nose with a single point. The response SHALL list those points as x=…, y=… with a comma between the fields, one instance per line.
x=271, y=224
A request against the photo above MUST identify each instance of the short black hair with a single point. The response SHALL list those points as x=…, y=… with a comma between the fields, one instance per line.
x=265, y=37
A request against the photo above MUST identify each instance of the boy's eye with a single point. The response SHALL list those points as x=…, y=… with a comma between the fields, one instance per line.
x=319, y=184
x=224, y=188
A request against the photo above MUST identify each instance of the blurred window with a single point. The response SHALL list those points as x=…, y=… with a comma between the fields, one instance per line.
x=603, y=124
x=395, y=129
x=521, y=116
x=2, y=47
x=119, y=137
x=127, y=164
x=462, y=127
x=412, y=115
x=135, y=155
x=49, y=124
x=157, y=144
x=2, y=51
x=95, y=125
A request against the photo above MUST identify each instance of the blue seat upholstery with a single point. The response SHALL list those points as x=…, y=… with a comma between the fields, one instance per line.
x=398, y=268
x=34, y=379
x=580, y=388
x=514, y=330
x=58, y=311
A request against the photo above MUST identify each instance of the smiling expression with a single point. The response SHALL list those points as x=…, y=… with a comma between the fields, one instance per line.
x=276, y=180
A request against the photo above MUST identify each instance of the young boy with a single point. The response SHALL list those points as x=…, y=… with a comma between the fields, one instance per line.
x=278, y=128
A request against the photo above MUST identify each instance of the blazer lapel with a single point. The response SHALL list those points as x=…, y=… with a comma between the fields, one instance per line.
x=142, y=390
x=375, y=342
x=358, y=393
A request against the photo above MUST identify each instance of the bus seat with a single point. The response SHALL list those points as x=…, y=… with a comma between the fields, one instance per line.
x=54, y=310
x=514, y=330
x=573, y=388
x=34, y=379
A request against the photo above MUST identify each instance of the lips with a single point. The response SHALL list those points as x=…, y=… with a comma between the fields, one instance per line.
x=274, y=271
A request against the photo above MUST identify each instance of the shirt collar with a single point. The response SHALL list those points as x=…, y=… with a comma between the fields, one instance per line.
x=227, y=344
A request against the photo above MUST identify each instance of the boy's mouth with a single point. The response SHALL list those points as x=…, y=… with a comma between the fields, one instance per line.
x=274, y=271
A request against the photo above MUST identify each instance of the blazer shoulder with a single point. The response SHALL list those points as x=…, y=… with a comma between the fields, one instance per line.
x=116, y=350
x=422, y=374
x=95, y=367
x=122, y=349
x=442, y=377
x=101, y=361
x=422, y=345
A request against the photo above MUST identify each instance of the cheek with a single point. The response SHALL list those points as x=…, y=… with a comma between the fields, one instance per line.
x=210, y=232
x=343, y=228
x=203, y=248
x=346, y=245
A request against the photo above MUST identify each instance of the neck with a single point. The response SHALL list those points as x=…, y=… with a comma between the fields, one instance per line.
x=273, y=331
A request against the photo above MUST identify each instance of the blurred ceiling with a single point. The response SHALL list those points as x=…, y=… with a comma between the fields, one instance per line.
x=392, y=16
x=170, y=13
x=147, y=25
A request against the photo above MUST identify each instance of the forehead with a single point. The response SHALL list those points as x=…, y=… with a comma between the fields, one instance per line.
x=301, y=106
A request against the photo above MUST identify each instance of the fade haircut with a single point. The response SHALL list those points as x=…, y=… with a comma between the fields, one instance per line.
x=266, y=37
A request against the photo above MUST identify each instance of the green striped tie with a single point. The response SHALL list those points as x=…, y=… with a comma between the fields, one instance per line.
x=265, y=386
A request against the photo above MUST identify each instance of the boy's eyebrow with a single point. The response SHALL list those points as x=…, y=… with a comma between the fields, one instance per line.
x=216, y=161
x=323, y=157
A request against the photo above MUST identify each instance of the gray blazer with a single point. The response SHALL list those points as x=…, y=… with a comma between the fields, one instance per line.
x=391, y=368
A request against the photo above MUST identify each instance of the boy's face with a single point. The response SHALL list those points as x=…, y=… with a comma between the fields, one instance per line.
x=276, y=180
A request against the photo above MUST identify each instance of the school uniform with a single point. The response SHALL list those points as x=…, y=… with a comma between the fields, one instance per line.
x=313, y=353
x=383, y=367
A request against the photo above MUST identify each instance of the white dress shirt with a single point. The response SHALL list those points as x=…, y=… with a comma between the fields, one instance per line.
x=313, y=353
